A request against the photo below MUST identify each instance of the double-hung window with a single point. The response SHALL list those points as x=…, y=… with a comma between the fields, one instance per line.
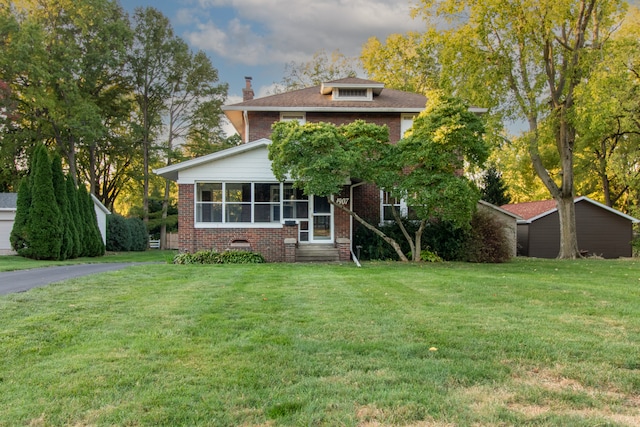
x=387, y=203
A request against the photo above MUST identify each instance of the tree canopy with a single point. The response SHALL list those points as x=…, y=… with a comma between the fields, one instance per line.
x=526, y=60
x=425, y=168
x=100, y=88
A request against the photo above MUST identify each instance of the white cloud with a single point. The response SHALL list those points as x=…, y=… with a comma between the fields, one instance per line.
x=266, y=32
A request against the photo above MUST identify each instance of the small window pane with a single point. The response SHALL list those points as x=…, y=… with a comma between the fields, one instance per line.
x=236, y=212
x=210, y=192
x=208, y=212
x=236, y=192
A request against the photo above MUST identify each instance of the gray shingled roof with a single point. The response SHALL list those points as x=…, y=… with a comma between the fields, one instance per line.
x=311, y=99
x=8, y=200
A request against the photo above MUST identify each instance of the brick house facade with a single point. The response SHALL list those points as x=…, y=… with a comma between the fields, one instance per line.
x=230, y=199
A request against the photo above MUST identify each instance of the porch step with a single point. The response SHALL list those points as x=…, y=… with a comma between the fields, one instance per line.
x=317, y=253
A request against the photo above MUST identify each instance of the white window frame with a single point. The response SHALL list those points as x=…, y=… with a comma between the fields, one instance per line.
x=288, y=116
x=406, y=123
x=402, y=205
x=275, y=223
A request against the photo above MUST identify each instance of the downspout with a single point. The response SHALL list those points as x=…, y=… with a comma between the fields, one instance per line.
x=353, y=255
x=245, y=116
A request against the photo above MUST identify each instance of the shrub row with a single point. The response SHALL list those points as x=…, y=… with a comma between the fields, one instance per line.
x=212, y=257
x=484, y=242
x=126, y=234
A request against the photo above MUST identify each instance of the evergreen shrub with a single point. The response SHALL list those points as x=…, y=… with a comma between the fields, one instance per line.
x=486, y=242
x=44, y=223
x=139, y=234
x=119, y=237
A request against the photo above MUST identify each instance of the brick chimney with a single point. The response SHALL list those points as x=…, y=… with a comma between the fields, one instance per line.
x=247, y=92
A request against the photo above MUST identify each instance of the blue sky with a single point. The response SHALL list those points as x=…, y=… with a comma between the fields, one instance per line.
x=258, y=37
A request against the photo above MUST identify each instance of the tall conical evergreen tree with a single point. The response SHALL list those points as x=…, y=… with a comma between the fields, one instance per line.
x=60, y=191
x=19, y=239
x=495, y=189
x=76, y=223
x=44, y=224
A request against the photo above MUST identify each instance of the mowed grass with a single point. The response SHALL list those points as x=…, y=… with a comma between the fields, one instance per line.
x=531, y=342
x=14, y=262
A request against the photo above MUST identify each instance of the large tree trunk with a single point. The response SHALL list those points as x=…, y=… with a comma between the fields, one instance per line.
x=568, y=235
x=562, y=194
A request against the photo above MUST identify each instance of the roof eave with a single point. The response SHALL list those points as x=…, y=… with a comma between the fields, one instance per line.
x=334, y=109
x=171, y=172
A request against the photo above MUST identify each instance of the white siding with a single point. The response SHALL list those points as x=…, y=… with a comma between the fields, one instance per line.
x=6, y=224
x=251, y=165
x=101, y=216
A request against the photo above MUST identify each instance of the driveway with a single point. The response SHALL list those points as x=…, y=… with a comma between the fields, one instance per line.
x=22, y=280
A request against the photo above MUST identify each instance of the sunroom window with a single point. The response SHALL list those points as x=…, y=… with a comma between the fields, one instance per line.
x=237, y=202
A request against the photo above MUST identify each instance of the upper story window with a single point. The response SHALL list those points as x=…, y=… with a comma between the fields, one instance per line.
x=406, y=122
x=388, y=203
x=299, y=117
x=352, y=94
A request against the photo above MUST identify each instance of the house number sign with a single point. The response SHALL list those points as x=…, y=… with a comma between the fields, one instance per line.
x=342, y=201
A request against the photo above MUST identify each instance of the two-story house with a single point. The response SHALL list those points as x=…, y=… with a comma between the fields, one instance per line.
x=231, y=199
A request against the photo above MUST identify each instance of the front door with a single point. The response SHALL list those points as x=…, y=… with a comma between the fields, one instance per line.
x=321, y=220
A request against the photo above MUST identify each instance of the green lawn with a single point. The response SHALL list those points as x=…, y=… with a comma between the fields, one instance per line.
x=9, y=263
x=531, y=342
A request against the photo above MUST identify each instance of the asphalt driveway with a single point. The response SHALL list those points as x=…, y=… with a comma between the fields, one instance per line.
x=22, y=280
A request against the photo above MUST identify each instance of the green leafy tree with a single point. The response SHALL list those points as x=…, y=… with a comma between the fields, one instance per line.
x=60, y=192
x=66, y=63
x=494, y=190
x=151, y=60
x=405, y=62
x=194, y=110
x=321, y=157
x=427, y=165
x=608, y=118
x=526, y=58
x=424, y=169
x=44, y=224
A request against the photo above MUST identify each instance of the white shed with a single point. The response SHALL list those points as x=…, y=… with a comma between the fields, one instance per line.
x=8, y=203
x=7, y=215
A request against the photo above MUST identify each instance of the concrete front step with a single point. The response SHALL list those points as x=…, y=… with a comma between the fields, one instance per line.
x=317, y=253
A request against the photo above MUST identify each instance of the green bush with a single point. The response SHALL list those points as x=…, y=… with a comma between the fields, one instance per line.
x=240, y=257
x=139, y=235
x=486, y=242
x=440, y=237
x=212, y=257
x=118, y=234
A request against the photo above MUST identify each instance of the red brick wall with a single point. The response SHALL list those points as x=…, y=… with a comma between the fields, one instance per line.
x=260, y=122
x=267, y=241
